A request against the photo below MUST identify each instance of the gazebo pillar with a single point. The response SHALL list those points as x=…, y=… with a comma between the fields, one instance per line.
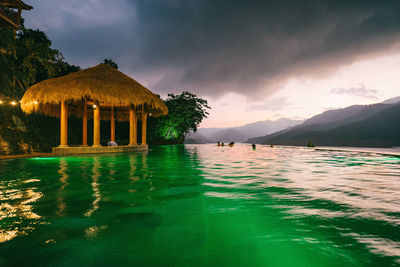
x=96, y=125
x=84, y=124
x=112, y=125
x=64, y=124
x=132, y=126
x=144, y=127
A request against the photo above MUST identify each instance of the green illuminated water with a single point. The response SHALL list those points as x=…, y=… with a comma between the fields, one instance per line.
x=202, y=205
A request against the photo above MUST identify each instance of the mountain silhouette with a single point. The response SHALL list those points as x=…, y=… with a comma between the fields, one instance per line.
x=374, y=125
x=240, y=133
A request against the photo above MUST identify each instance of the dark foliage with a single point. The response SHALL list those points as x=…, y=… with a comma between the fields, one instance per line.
x=25, y=59
x=185, y=113
x=110, y=63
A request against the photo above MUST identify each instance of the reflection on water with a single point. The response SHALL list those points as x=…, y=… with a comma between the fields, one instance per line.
x=202, y=205
x=95, y=185
x=64, y=182
x=17, y=197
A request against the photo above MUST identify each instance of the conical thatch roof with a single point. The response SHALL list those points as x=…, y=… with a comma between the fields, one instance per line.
x=101, y=84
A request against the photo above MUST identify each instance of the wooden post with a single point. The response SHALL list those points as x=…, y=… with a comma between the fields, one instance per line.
x=96, y=125
x=132, y=126
x=112, y=125
x=135, y=127
x=84, y=124
x=144, y=127
x=64, y=124
x=18, y=22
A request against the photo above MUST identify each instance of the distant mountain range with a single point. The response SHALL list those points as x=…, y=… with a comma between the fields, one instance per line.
x=376, y=125
x=196, y=138
x=393, y=100
x=240, y=133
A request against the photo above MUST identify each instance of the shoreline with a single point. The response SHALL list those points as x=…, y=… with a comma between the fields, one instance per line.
x=384, y=151
x=32, y=155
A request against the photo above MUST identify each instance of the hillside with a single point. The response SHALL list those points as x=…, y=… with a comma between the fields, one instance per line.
x=333, y=115
x=379, y=127
x=240, y=133
x=329, y=119
x=196, y=138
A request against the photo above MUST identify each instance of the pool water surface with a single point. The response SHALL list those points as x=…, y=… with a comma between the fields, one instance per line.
x=202, y=205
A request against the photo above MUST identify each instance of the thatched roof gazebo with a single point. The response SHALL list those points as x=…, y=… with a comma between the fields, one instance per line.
x=111, y=95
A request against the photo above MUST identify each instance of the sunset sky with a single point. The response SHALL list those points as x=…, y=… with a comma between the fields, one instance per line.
x=252, y=60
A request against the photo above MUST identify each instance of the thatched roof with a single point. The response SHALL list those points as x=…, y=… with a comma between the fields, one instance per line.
x=101, y=84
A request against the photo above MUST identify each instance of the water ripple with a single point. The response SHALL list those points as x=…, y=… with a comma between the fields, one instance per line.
x=203, y=205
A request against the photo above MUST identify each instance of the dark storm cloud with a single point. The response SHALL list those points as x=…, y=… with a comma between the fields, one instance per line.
x=215, y=47
x=360, y=91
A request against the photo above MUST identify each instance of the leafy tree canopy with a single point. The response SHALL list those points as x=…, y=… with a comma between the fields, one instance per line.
x=110, y=63
x=185, y=113
x=27, y=58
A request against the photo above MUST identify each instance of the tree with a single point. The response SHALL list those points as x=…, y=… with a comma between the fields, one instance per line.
x=26, y=59
x=110, y=63
x=185, y=113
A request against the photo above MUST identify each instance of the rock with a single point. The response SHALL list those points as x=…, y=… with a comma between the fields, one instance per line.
x=4, y=146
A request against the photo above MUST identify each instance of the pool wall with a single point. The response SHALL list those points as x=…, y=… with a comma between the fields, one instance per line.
x=100, y=149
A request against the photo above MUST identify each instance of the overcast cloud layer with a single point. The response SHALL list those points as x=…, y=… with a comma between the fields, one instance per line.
x=216, y=47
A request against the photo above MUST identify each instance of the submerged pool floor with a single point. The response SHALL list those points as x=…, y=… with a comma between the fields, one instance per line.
x=202, y=205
